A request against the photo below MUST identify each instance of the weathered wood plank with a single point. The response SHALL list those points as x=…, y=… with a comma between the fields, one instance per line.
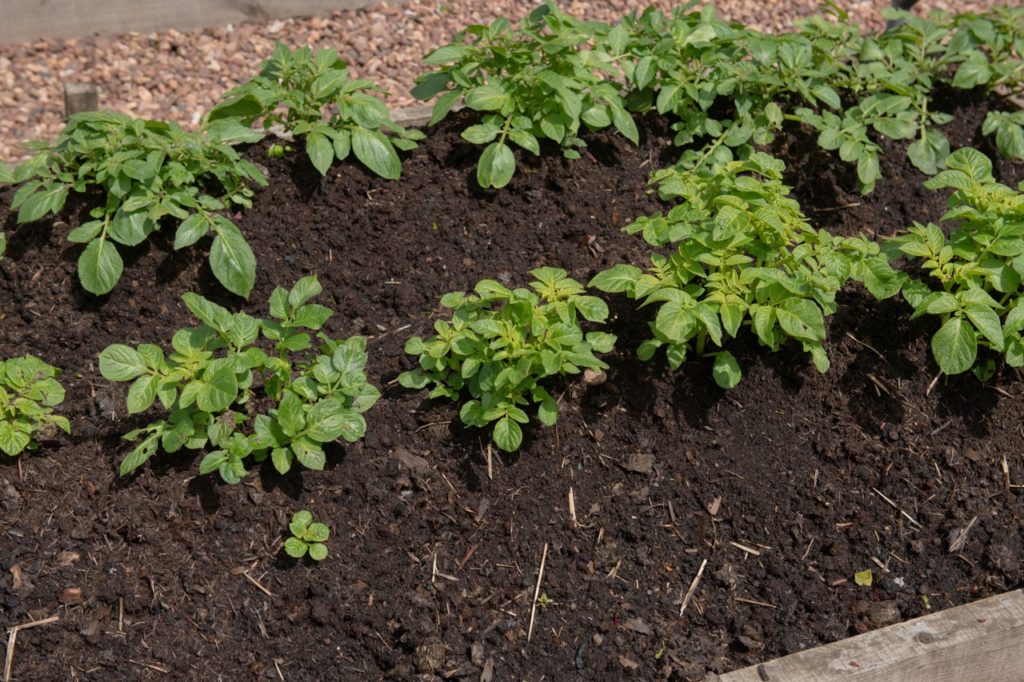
x=978, y=641
x=25, y=20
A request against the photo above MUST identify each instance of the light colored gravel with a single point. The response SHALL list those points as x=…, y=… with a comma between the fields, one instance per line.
x=180, y=75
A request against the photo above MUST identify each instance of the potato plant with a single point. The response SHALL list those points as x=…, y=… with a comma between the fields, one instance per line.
x=307, y=537
x=148, y=172
x=501, y=343
x=745, y=258
x=971, y=280
x=296, y=89
x=29, y=392
x=538, y=82
x=222, y=392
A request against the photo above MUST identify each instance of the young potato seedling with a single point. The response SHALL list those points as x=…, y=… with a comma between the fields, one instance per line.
x=307, y=537
x=746, y=257
x=537, y=82
x=208, y=383
x=148, y=172
x=501, y=343
x=306, y=85
x=29, y=391
x=972, y=277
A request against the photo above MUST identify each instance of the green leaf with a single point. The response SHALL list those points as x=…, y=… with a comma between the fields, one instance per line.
x=142, y=393
x=927, y=153
x=318, y=551
x=295, y=548
x=489, y=97
x=863, y=578
x=232, y=132
x=548, y=411
x=218, y=390
x=121, y=363
x=191, y=230
x=524, y=139
x=131, y=228
x=726, y=371
x=290, y=414
x=100, y=267
x=305, y=289
x=12, y=440
x=318, y=532
x=231, y=259
x=802, y=319
x=955, y=346
x=212, y=462
x=50, y=199
x=625, y=124
x=480, y=134
x=496, y=167
x=300, y=522
x=138, y=456
x=619, y=278
x=325, y=421
x=376, y=153
x=592, y=308
x=320, y=152
x=987, y=322
x=309, y=454
x=507, y=435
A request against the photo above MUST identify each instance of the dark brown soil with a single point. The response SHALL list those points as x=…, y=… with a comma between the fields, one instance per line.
x=786, y=486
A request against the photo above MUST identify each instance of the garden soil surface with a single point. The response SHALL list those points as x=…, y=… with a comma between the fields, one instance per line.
x=786, y=486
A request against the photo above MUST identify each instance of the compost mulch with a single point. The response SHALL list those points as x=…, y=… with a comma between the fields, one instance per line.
x=786, y=486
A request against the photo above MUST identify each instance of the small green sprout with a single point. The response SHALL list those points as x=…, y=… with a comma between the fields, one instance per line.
x=29, y=391
x=307, y=536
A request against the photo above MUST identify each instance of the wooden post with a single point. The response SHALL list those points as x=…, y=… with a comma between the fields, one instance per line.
x=969, y=643
x=79, y=97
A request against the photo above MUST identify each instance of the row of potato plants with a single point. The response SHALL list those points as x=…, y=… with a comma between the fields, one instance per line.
x=745, y=261
x=744, y=255
x=726, y=87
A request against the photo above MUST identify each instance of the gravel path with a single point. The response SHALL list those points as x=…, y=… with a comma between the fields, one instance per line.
x=179, y=75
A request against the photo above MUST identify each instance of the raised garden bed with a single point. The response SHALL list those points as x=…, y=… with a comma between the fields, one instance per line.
x=776, y=492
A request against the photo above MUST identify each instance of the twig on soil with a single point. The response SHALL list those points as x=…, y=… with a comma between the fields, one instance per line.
x=572, y=506
x=1006, y=478
x=151, y=666
x=435, y=574
x=894, y=506
x=258, y=585
x=536, y=592
x=13, y=638
x=941, y=427
x=693, y=587
x=756, y=603
x=958, y=538
x=1002, y=391
x=467, y=556
x=490, y=462
x=867, y=345
x=744, y=548
x=878, y=384
x=429, y=424
x=932, y=384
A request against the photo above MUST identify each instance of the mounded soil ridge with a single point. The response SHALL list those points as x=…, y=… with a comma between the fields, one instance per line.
x=786, y=486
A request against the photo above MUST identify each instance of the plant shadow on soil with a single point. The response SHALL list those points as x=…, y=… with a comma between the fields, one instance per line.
x=440, y=557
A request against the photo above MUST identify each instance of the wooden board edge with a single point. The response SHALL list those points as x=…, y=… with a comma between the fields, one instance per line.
x=28, y=20
x=972, y=642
